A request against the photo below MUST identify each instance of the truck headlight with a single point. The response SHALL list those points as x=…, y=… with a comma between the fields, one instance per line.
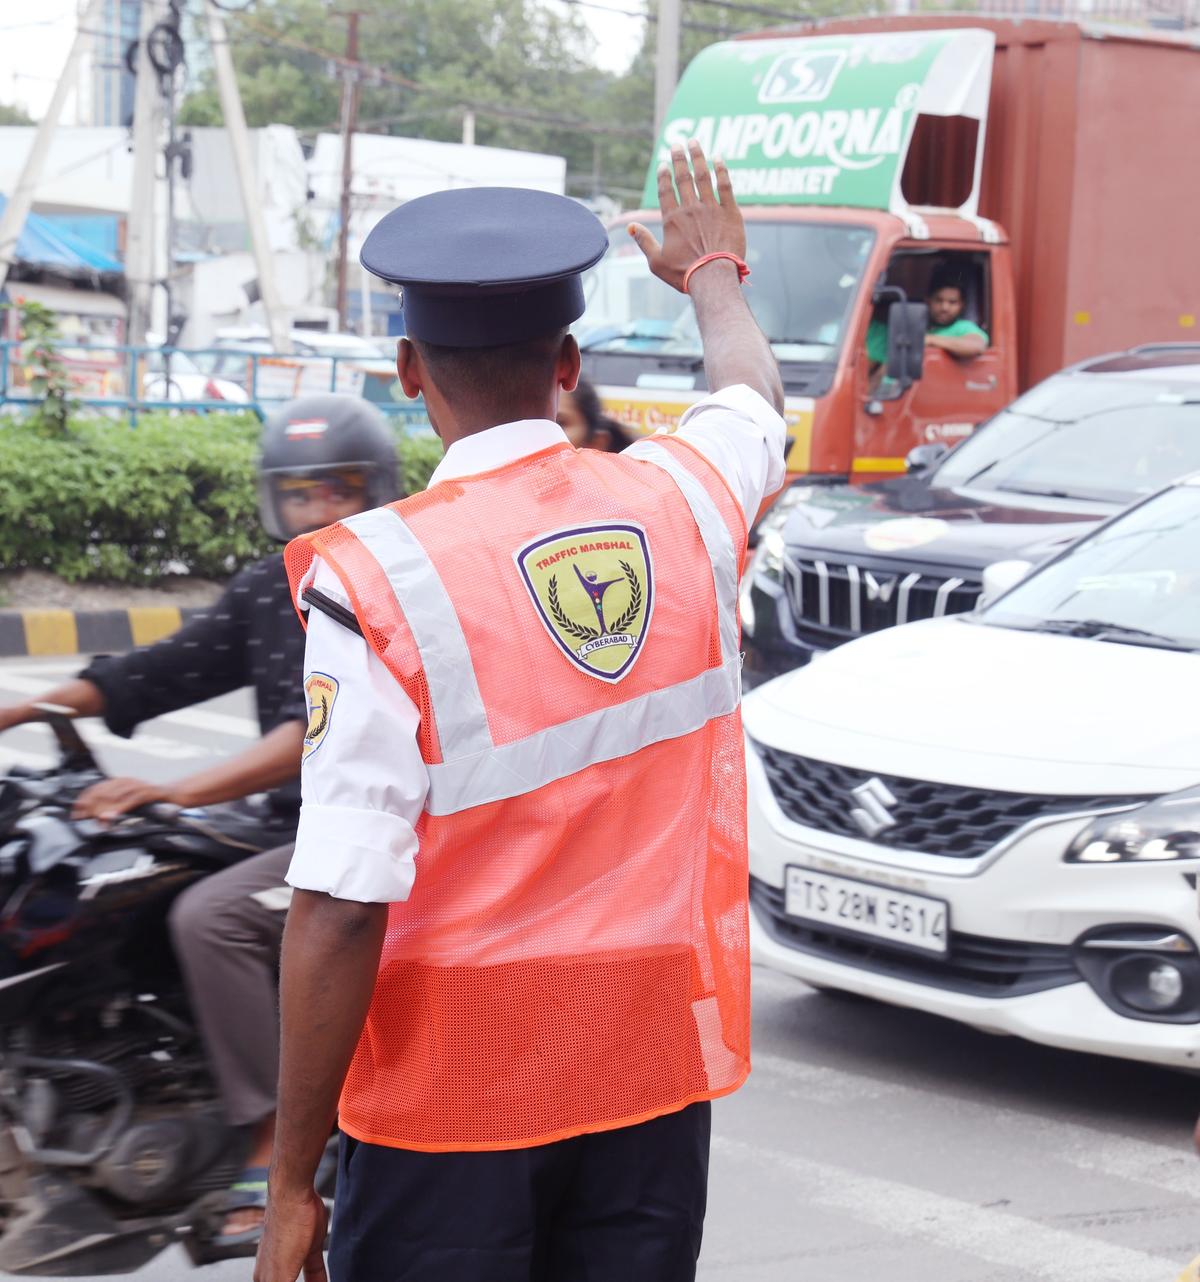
x=1164, y=829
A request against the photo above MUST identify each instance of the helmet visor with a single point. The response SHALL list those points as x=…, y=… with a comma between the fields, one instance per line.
x=307, y=501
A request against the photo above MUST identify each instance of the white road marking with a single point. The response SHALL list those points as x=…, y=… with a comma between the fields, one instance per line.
x=997, y=1237
x=10, y=757
x=1172, y=1170
x=192, y=718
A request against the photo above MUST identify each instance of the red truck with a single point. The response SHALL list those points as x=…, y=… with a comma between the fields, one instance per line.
x=1052, y=168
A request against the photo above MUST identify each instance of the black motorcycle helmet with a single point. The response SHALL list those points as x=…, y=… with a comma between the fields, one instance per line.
x=342, y=438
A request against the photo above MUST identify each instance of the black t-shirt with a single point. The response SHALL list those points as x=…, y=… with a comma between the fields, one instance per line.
x=250, y=637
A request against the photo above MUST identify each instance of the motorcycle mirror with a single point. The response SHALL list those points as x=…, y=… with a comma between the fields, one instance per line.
x=76, y=755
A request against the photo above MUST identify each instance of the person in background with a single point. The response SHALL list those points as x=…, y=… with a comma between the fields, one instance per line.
x=323, y=457
x=582, y=417
x=948, y=329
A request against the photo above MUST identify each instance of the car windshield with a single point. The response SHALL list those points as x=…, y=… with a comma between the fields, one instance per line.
x=805, y=279
x=1135, y=581
x=1082, y=440
x=180, y=363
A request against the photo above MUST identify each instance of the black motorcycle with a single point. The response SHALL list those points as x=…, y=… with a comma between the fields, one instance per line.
x=112, y=1141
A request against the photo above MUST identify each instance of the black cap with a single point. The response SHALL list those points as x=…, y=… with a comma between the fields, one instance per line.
x=483, y=266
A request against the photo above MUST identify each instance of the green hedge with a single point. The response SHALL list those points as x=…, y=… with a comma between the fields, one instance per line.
x=120, y=504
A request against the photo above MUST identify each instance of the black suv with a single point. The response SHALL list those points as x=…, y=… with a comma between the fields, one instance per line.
x=833, y=561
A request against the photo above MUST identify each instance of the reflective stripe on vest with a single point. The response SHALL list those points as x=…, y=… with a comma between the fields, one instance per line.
x=722, y=555
x=474, y=770
x=453, y=691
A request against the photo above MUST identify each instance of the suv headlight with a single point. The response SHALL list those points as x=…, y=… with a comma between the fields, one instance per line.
x=1167, y=828
x=768, y=557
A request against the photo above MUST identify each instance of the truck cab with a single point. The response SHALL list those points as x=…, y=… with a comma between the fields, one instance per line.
x=1044, y=164
x=819, y=278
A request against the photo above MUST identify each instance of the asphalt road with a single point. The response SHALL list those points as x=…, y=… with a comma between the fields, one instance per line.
x=871, y=1142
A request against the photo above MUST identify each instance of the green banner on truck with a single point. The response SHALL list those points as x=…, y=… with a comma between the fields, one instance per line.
x=823, y=120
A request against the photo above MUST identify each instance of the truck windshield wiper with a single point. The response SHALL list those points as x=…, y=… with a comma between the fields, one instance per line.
x=634, y=333
x=1104, y=630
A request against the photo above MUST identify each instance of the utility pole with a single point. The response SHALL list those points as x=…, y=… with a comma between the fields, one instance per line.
x=20, y=200
x=235, y=122
x=140, y=258
x=350, y=83
x=666, y=62
x=468, y=128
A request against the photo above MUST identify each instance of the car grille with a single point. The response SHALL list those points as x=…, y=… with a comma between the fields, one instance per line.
x=932, y=818
x=973, y=964
x=851, y=599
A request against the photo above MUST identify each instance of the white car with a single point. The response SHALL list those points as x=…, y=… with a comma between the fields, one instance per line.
x=187, y=381
x=996, y=817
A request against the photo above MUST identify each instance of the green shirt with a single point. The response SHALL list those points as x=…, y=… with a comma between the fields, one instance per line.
x=877, y=336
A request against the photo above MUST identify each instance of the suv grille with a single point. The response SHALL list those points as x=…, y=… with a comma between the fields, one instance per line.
x=973, y=963
x=850, y=599
x=932, y=818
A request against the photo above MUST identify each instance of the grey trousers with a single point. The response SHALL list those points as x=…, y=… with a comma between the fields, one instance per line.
x=227, y=931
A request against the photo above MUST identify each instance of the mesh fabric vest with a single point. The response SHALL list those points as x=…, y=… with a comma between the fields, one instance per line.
x=573, y=956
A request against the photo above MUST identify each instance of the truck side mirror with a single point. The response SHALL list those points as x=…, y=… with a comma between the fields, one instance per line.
x=907, y=325
x=922, y=459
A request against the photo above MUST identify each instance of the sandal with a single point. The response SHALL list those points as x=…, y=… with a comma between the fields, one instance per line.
x=248, y=1194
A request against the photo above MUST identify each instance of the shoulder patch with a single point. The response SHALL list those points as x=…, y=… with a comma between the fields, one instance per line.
x=320, y=689
x=593, y=589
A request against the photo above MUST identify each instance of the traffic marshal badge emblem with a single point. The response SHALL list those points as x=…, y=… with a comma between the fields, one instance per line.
x=593, y=589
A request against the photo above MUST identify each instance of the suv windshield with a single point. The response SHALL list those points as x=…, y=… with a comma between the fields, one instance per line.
x=806, y=276
x=1079, y=440
x=1136, y=581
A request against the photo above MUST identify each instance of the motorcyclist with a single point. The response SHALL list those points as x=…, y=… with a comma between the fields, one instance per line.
x=323, y=458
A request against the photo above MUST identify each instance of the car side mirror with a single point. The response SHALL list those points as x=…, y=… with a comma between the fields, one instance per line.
x=922, y=459
x=1001, y=577
x=907, y=326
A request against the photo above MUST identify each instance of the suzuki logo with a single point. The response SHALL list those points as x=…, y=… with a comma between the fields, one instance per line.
x=879, y=589
x=872, y=814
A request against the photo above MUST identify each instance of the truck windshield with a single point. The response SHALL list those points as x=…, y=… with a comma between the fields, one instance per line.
x=1111, y=455
x=805, y=279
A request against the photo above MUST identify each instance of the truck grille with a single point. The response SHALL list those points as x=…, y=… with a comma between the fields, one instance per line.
x=973, y=964
x=852, y=599
x=931, y=818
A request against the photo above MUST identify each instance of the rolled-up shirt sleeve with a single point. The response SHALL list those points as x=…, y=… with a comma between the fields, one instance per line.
x=363, y=781
x=743, y=437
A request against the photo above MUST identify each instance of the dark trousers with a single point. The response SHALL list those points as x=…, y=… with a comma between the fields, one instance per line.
x=615, y=1206
x=227, y=931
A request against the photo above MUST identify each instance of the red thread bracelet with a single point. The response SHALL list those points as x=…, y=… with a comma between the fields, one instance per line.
x=740, y=263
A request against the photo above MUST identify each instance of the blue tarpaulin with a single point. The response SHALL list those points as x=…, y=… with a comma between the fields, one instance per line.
x=43, y=245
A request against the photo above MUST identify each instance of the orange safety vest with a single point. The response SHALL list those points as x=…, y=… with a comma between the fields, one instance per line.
x=573, y=956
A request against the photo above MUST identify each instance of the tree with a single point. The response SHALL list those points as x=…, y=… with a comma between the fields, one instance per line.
x=524, y=70
x=14, y=115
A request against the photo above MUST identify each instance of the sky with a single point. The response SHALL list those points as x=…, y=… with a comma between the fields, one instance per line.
x=34, y=49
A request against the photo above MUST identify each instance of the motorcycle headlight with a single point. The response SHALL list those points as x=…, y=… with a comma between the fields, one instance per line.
x=1167, y=828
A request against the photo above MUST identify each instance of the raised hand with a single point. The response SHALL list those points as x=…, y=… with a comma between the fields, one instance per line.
x=698, y=218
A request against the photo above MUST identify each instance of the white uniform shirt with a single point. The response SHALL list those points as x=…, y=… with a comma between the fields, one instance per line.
x=364, y=785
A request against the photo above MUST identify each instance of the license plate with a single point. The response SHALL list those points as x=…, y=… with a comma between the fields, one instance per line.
x=917, y=921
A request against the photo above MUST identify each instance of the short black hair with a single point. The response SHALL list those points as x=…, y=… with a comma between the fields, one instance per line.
x=504, y=377
x=947, y=276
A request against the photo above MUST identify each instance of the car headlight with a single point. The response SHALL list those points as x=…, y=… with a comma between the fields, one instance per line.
x=1167, y=828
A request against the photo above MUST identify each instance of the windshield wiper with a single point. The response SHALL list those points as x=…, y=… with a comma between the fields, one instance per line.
x=1104, y=630
x=1033, y=492
x=628, y=333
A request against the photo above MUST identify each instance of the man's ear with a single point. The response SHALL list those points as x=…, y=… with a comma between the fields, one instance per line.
x=410, y=369
x=569, y=364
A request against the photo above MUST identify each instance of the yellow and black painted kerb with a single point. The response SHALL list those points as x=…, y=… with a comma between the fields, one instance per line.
x=28, y=632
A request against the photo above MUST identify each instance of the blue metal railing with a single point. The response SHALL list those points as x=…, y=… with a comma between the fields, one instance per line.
x=132, y=380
